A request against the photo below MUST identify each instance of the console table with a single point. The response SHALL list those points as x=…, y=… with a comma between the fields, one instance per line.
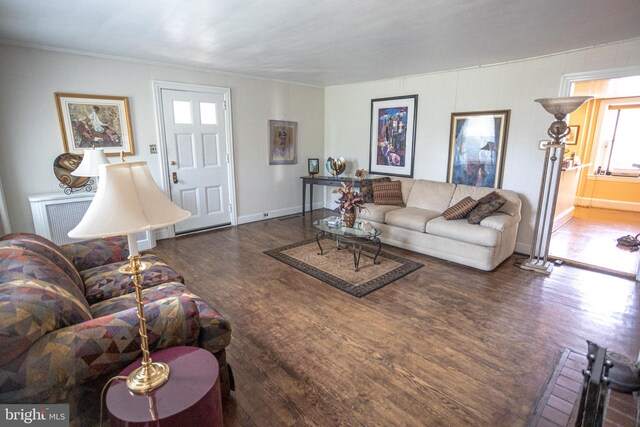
x=322, y=180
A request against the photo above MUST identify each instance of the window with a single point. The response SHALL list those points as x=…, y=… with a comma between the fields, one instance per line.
x=619, y=140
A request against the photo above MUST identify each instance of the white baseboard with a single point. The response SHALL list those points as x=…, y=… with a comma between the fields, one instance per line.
x=244, y=219
x=608, y=204
x=563, y=217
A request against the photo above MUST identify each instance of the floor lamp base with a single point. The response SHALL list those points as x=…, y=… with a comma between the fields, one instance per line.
x=539, y=266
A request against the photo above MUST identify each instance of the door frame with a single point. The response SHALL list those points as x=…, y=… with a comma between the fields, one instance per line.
x=565, y=90
x=158, y=86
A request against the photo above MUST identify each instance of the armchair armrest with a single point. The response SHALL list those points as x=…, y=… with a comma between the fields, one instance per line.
x=96, y=252
x=77, y=354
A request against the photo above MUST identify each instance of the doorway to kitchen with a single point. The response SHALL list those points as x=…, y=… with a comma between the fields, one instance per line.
x=599, y=191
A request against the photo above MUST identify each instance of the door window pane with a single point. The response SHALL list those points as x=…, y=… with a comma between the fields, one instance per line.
x=182, y=112
x=208, y=113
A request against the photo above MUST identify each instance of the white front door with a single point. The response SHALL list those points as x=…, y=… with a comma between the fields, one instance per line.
x=195, y=131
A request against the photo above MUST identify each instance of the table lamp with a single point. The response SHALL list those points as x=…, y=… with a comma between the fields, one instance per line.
x=91, y=160
x=128, y=201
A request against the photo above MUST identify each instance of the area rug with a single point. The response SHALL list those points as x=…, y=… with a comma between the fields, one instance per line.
x=335, y=267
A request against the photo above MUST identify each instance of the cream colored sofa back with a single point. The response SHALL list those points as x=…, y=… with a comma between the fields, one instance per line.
x=430, y=195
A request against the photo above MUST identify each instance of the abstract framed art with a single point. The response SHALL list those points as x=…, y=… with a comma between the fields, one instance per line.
x=283, y=142
x=477, y=146
x=96, y=121
x=393, y=135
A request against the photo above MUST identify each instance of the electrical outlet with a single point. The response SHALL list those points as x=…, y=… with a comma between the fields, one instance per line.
x=265, y=214
x=153, y=149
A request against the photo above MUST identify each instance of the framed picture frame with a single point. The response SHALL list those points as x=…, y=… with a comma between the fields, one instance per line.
x=572, y=138
x=98, y=121
x=283, y=142
x=393, y=135
x=477, y=146
x=313, y=165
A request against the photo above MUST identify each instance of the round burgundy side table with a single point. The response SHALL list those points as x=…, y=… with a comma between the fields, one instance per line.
x=191, y=397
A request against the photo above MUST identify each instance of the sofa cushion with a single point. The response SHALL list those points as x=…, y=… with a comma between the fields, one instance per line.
x=29, y=309
x=18, y=263
x=410, y=218
x=486, y=206
x=461, y=209
x=511, y=207
x=430, y=195
x=96, y=252
x=106, y=281
x=461, y=230
x=215, y=330
x=388, y=193
x=373, y=212
x=366, y=188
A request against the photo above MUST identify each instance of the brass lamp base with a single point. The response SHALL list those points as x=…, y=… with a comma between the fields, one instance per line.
x=147, y=378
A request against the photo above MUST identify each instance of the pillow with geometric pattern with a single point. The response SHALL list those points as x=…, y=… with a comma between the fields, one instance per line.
x=387, y=193
x=486, y=206
x=461, y=209
x=366, y=188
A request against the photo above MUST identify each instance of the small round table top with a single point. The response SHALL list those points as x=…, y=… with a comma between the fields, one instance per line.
x=193, y=374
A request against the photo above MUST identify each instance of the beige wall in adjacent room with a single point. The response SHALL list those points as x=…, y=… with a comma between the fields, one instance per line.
x=30, y=137
x=512, y=86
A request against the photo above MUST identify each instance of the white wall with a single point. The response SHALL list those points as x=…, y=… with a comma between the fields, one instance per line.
x=511, y=86
x=30, y=137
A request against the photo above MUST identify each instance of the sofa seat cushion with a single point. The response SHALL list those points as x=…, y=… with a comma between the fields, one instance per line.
x=410, y=218
x=215, y=330
x=373, y=212
x=461, y=230
x=106, y=281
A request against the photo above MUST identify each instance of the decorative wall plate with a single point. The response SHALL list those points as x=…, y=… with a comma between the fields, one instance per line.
x=63, y=165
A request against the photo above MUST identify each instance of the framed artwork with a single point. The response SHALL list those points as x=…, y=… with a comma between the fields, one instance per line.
x=572, y=138
x=97, y=121
x=476, y=148
x=314, y=166
x=393, y=135
x=283, y=142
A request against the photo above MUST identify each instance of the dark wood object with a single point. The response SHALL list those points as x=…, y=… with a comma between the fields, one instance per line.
x=321, y=180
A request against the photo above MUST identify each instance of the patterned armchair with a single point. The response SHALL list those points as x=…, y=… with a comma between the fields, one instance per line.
x=68, y=319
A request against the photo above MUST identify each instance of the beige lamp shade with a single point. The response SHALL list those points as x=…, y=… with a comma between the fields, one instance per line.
x=91, y=160
x=128, y=201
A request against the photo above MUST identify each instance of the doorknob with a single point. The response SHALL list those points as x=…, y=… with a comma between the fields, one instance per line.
x=174, y=175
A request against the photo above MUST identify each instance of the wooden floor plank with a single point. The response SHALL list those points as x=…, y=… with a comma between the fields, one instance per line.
x=445, y=345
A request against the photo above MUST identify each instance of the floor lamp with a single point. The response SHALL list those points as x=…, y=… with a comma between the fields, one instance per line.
x=558, y=130
x=127, y=202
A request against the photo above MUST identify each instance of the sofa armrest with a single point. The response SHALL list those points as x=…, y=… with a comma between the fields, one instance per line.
x=499, y=221
x=96, y=252
x=77, y=354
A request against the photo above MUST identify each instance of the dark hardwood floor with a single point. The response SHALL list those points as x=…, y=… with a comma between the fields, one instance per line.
x=445, y=345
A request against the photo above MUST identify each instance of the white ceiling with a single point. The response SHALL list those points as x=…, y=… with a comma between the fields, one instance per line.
x=320, y=42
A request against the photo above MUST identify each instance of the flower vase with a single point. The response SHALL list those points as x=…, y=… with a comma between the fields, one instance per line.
x=349, y=218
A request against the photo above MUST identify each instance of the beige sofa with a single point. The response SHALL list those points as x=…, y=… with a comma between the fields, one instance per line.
x=420, y=226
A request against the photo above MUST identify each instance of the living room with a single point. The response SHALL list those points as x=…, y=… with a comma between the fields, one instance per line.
x=334, y=121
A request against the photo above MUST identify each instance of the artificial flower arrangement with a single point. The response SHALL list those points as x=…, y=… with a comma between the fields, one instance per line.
x=349, y=200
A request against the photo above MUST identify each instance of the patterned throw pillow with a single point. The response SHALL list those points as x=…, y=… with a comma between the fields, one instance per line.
x=486, y=206
x=387, y=193
x=460, y=209
x=366, y=188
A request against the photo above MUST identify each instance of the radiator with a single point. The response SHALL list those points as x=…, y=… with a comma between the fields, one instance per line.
x=54, y=215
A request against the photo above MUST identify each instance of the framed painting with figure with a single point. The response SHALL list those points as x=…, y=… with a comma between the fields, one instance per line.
x=283, y=142
x=98, y=121
x=393, y=135
x=476, y=148
x=572, y=138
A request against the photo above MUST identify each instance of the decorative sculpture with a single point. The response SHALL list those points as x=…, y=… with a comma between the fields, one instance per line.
x=336, y=166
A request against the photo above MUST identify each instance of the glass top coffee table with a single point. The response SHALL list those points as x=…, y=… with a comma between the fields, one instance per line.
x=348, y=238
